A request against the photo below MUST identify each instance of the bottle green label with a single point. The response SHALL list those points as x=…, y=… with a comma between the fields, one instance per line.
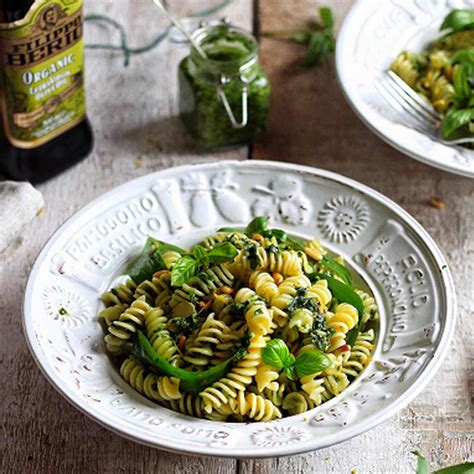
x=42, y=61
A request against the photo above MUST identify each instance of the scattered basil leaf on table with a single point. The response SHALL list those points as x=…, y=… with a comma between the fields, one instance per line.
x=318, y=37
x=422, y=467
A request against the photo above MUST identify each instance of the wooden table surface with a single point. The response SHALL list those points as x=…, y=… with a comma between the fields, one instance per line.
x=133, y=112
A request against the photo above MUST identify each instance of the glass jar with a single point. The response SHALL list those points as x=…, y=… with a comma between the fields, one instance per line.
x=224, y=97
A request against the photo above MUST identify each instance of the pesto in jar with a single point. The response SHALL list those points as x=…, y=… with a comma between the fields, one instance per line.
x=230, y=72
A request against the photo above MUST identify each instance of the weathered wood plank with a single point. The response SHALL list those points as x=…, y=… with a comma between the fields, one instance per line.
x=321, y=130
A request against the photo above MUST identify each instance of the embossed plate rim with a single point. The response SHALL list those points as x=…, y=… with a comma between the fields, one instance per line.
x=345, y=41
x=431, y=250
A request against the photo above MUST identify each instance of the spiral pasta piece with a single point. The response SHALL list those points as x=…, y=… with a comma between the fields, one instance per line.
x=255, y=407
x=360, y=354
x=122, y=329
x=342, y=321
x=264, y=285
x=154, y=289
x=266, y=377
x=120, y=294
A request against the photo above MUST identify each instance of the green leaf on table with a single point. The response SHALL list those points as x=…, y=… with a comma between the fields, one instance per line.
x=458, y=20
x=319, y=47
x=222, y=252
x=337, y=269
x=311, y=362
x=326, y=17
x=277, y=354
x=257, y=225
x=464, y=468
x=422, y=465
x=301, y=37
x=454, y=120
x=184, y=269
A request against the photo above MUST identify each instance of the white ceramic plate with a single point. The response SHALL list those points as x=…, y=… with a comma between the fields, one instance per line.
x=372, y=35
x=392, y=253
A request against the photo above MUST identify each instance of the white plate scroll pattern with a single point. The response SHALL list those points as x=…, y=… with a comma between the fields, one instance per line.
x=372, y=35
x=390, y=251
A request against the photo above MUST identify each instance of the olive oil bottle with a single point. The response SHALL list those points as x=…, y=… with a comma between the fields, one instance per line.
x=43, y=123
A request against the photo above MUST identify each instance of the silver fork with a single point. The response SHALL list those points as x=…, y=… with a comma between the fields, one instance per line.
x=418, y=113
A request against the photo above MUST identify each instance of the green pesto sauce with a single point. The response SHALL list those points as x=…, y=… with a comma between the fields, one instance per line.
x=201, y=108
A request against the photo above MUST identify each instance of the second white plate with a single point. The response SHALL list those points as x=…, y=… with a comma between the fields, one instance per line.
x=371, y=37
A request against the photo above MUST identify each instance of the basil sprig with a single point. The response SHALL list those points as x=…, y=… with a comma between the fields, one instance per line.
x=422, y=467
x=190, y=381
x=318, y=37
x=277, y=354
x=151, y=260
x=458, y=20
x=259, y=225
x=190, y=265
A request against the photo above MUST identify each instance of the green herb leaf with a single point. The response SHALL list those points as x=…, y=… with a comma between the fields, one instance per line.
x=228, y=229
x=222, y=252
x=301, y=37
x=295, y=243
x=257, y=225
x=311, y=362
x=464, y=468
x=454, y=120
x=340, y=270
x=289, y=372
x=326, y=16
x=190, y=381
x=184, y=269
x=277, y=354
x=150, y=259
x=318, y=49
x=463, y=55
x=458, y=20
x=199, y=252
x=422, y=466
x=342, y=292
x=279, y=234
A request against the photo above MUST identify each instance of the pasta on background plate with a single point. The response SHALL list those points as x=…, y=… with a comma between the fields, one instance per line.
x=248, y=325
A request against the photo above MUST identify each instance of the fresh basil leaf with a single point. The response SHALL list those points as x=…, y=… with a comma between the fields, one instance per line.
x=422, y=465
x=340, y=270
x=289, y=372
x=276, y=354
x=279, y=234
x=318, y=49
x=326, y=17
x=458, y=20
x=257, y=225
x=199, y=252
x=184, y=269
x=295, y=243
x=463, y=78
x=311, y=362
x=463, y=55
x=464, y=468
x=454, y=120
x=150, y=259
x=222, y=252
